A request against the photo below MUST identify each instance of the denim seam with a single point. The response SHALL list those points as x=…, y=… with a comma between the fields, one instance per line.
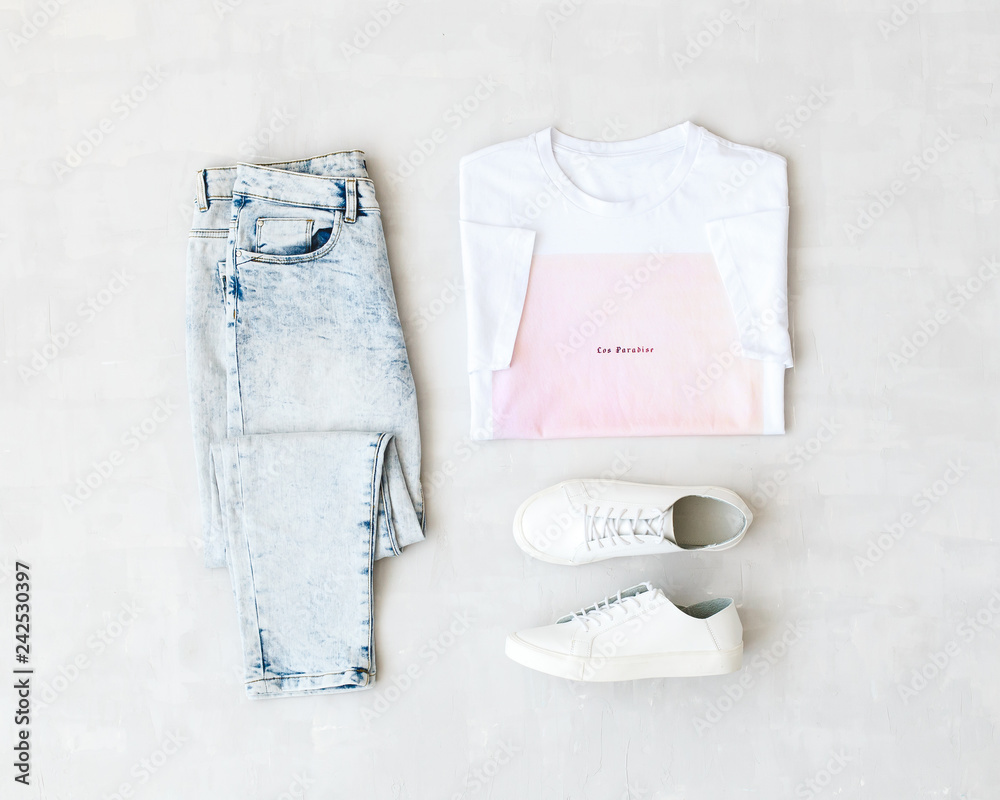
x=246, y=538
x=391, y=530
x=236, y=315
x=274, y=164
x=307, y=174
x=297, y=161
x=230, y=197
x=324, y=177
x=379, y=448
x=386, y=503
x=338, y=207
x=293, y=677
x=209, y=233
x=270, y=168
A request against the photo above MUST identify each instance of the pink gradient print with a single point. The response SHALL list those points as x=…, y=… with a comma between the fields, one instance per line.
x=561, y=385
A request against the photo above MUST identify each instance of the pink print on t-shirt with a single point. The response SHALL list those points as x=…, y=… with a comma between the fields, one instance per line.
x=626, y=345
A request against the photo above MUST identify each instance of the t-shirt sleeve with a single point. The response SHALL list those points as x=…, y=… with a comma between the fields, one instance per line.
x=496, y=261
x=751, y=251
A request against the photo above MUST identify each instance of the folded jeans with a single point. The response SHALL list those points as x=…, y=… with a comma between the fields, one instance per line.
x=304, y=413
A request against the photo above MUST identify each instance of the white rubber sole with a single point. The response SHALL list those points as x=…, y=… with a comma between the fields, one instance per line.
x=717, y=492
x=624, y=668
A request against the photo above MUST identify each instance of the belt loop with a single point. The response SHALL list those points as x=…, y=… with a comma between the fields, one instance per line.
x=201, y=189
x=352, y=200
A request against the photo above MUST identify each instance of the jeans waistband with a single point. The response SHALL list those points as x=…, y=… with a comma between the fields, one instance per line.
x=329, y=180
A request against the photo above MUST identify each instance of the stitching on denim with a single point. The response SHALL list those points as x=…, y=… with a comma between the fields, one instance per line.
x=208, y=233
x=311, y=176
x=379, y=457
x=229, y=196
x=246, y=538
x=301, y=258
x=258, y=224
x=302, y=205
x=303, y=174
x=235, y=277
x=299, y=160
x=201, y=190
x=261, y=197
x=351, y=192
x=310, y=675
x=387, y=500
x=276, y=163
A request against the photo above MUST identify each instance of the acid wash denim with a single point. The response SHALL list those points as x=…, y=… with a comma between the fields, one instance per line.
x=304, y=413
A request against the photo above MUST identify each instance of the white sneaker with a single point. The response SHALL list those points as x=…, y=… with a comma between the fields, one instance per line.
x=635, y=634
x=582, y=521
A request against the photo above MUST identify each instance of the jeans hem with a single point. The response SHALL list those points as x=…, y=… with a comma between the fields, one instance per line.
x=292, y=685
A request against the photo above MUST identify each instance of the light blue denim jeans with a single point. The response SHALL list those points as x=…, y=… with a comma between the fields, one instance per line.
x=304, y=413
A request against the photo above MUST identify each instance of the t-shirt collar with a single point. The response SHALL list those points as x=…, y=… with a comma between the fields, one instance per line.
x=686, y=135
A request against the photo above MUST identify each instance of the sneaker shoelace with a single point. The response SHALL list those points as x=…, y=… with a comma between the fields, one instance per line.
x=604, y=608
x=608, y=527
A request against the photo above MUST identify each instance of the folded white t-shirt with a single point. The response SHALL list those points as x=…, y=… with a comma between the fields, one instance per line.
x=631, y=288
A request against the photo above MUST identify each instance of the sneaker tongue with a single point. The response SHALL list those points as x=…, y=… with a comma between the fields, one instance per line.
x=642, y=527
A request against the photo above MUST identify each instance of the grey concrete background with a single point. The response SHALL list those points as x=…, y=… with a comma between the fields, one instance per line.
x=868, y=584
